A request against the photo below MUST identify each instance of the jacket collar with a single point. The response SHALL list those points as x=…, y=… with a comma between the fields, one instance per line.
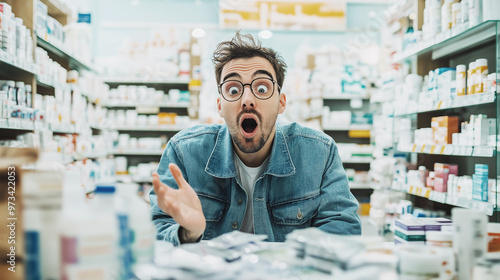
x=221, y=164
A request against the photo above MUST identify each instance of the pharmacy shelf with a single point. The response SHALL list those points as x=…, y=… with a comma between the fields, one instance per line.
x=57, y=7
x=47, y=82
x=138, y=152
x=170, y=128
x=360, y=186
x=451, y=150
x=15, y=65
x=459, y=39
x=135, y=179
x=98, y=155
x=314, y=115
x=344, y=96
x=131, y=104
x=17, y=125
x=358, y=160
x=348, y=127
x=58, y=49
x=457, y=102
x=444, y=198
x=65, y=130
x=146, y=80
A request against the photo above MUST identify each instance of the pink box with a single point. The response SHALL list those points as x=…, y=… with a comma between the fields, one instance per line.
x=442, y=171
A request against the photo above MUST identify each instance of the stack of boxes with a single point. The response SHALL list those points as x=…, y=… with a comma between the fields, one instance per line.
x=480, y=182
x=442, y=172
x=412, y=230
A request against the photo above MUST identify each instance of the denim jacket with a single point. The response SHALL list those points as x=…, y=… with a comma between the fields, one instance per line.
x=304, y=184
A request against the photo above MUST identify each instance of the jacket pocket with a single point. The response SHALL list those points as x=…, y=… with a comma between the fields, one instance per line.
x=295, y=212
x=212, y=207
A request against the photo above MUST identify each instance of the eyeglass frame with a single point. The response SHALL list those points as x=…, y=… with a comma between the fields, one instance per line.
x=251, y=90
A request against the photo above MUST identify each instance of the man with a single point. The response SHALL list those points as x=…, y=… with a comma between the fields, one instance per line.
x=251, y=173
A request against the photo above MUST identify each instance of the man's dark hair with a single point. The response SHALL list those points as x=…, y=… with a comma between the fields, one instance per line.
x=245, y=46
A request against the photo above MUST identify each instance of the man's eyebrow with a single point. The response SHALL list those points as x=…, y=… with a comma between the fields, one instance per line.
x=230, y=75
x=262, y=72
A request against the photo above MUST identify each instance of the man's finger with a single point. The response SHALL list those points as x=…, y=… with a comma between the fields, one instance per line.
x=160, y=188
x=176, y=172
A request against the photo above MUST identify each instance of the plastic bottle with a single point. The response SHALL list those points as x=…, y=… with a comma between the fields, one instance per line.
x=465, y=11
x=475, y=12
x=460, y=80
x=29, y=96
x=481, y=75
x=456, y=14
x=20, y=94
x=141, y=228
x=32, y=231
x=471, y=78
x=446, y=15
x=89, y=232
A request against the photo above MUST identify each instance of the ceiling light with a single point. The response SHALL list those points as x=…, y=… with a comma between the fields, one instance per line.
x=266, y=34
x=198, y=33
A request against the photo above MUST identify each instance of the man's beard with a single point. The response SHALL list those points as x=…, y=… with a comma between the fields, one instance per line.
x=243, y=145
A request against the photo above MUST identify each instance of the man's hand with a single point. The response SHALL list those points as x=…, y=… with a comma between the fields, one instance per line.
x=183, y=205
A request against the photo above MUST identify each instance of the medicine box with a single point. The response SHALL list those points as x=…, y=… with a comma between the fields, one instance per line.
x=443, y=129
x=442, y=171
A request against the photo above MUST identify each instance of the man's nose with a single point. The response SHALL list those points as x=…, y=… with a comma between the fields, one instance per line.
x=247, y=98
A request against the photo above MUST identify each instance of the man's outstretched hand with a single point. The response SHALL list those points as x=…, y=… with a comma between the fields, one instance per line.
x=183, y=205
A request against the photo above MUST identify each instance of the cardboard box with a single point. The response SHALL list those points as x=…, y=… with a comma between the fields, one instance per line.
x=443, y=129
x=442, y=171
x=11, y=205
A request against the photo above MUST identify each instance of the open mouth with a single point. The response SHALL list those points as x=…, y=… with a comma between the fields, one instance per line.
x=249, y=126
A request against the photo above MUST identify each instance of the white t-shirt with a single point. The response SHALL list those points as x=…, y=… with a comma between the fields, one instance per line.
x=248, y=176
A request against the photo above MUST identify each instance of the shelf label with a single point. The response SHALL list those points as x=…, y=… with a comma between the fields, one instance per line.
x=422, y=149
x=433, y=148
x=439, y=105
x=427, y=193
x=147, y=110
x=483, y=151
x=414, y=148
x=448, y=149
x=427, y=149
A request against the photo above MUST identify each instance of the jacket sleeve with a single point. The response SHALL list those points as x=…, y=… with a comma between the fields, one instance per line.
x=337, y=211
x=167, y=228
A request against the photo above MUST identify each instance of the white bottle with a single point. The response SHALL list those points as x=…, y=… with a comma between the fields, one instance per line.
x=446, y=15
x=471, y=76
x=491, y=10
x=481, y=74
x=142, y=229
x=89, y=233
x=470, y=242
x=460, y=80
x=475, y=12
x=32, y=241
x=465, y=11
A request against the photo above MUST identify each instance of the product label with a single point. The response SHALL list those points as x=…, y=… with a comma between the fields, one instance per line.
x=88, y=257
x=32, y=258
x=493, y=242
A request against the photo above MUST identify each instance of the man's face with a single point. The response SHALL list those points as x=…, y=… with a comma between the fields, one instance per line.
x=251, y=121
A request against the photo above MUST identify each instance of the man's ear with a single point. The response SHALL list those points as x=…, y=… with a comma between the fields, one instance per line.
x=282, y=104
x=219, y=107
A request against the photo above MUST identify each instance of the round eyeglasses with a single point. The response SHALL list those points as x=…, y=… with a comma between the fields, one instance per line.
x=262, y=88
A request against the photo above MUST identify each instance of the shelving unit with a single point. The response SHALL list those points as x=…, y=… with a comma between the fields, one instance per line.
x=137, y=156
x=58, y=50
x=449, y=49
x=444, y=198
x=352, y=133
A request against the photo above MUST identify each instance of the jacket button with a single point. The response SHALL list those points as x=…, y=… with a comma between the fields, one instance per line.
x=300, y=215
x=235, y=226
x=240, y=201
